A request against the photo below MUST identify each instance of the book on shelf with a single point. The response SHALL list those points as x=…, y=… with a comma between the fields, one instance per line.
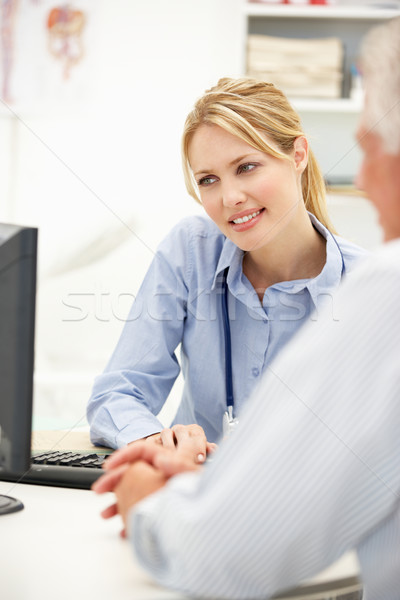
x=300, y=67
x=302, y=85
x=323, y=2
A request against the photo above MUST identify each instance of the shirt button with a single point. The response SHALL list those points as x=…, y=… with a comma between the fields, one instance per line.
x=255, y=372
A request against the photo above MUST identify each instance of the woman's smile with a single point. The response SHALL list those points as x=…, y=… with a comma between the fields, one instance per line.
x=246, y=219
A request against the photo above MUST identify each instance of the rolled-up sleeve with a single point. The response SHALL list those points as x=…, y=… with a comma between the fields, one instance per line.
x=131, y=391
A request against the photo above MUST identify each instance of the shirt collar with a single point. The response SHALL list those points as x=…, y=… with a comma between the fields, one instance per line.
x=232, y=257
x=331, y=275
x=327, y=280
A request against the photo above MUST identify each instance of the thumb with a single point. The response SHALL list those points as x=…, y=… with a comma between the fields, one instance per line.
x=174, y=463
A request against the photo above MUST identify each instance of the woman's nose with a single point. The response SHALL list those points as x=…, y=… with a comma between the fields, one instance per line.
x=232, y=195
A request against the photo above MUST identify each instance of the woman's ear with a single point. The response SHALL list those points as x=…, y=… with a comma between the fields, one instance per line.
x=300, y=148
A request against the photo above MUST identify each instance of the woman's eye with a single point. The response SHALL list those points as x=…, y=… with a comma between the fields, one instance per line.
x=246, y=168
x=206, y=181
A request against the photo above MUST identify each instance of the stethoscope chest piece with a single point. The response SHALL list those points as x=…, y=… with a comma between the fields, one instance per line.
x=229, y=422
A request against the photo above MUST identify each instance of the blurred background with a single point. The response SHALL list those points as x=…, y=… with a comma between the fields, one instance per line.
x=94, y=97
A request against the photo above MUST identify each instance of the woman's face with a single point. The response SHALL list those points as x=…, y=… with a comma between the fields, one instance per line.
x=250, y=195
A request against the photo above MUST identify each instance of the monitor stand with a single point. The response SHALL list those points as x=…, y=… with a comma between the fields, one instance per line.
x=9, y=505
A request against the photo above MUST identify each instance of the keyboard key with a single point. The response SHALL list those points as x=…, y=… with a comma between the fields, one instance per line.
x=69, y=459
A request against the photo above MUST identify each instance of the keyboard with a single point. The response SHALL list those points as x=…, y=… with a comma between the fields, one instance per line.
x=69, y=459
x=62, y=469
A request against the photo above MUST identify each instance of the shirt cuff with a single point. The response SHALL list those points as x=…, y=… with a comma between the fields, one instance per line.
x=136, y=431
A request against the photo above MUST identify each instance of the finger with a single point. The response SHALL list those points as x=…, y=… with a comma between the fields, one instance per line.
x=133, y=452
x=200, y=458
x=139, y=481
x=108, y=481
x=168, y=439
x=128, y=454
x=192, y=441
x=211, y=447
x=145, y=452
x=110, y=511
x=154, y=439
x=172, y=463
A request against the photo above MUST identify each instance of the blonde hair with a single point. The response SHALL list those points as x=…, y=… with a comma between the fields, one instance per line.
x=248, y=108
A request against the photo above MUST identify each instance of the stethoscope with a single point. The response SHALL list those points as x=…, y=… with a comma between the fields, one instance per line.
x=229, y=422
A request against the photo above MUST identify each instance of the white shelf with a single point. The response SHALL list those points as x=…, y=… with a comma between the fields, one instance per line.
x=340, y=105
x=319, y=12
x=324, y=118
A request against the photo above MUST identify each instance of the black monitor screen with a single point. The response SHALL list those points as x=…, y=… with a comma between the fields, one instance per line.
x=18, y=251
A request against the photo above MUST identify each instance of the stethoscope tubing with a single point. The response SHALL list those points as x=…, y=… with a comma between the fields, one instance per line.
x=227, y=338
x=227, y=331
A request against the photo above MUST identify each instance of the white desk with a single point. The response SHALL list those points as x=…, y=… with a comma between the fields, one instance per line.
x=59, y=548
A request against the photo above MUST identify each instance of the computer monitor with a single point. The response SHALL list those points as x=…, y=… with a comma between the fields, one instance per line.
x=18, y=255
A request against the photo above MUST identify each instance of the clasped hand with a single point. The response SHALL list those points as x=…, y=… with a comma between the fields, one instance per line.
x=142, y=468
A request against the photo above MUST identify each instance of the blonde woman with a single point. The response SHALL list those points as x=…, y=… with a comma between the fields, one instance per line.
x=232, y=287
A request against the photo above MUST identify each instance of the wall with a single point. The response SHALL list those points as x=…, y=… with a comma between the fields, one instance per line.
x=94, y=162
x=97, y=158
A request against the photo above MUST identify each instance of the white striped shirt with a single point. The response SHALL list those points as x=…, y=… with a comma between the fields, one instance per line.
x=312, y=471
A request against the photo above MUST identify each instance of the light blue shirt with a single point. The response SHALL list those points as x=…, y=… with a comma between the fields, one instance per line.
x=180, y=302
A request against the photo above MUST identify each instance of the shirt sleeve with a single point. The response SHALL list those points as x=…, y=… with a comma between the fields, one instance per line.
x=131, y=391
x=311, y=472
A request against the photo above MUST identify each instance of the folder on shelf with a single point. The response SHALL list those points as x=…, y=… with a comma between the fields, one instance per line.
x=300, y=67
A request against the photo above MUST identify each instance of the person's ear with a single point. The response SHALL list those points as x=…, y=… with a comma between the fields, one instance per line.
x=300, y=148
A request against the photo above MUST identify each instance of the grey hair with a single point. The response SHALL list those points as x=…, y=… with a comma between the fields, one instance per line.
x=380, y=67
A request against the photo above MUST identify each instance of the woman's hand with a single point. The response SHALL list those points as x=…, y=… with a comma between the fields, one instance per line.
x=189, y=438
x=170, y=458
